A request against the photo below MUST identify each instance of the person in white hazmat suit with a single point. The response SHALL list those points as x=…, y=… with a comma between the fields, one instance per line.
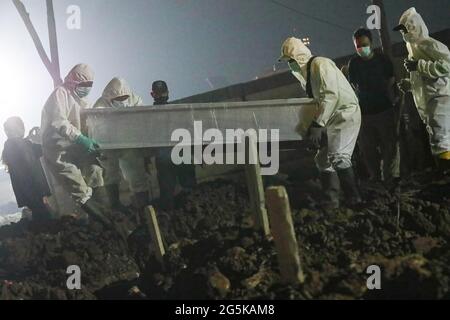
x=334, y=127
x=69, y=155
x=429, y=66
x=130, y=162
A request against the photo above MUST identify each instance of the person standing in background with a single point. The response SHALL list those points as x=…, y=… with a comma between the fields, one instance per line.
x=372, y=75
x=168, y=172
x=22, y=160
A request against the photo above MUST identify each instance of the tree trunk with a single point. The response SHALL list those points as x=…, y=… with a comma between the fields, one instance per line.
x=37, y=41
x=53, y=40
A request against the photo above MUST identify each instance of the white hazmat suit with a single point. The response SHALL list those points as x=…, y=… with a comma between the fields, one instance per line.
x=338, y=107
x=431, y=82
x=333, y=126
x=60, y=127
x=129, y=162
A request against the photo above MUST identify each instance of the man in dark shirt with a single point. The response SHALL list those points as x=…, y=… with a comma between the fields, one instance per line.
x=168, y=172
x=372, y=75
x=21, y=158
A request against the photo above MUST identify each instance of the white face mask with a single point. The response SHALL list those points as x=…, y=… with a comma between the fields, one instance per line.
x=409, y=37
x=120, y=104
x=82, y=92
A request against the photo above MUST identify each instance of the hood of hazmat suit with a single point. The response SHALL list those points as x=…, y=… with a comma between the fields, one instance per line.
x=337, y=105
x=294, y=48
x=60, y=119
x=129, y=162
x=431, y=82
x=118, y=87
x=14, y=128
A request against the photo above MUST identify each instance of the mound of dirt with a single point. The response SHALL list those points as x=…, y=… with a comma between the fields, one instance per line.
x=34, y=259
x=214, y=251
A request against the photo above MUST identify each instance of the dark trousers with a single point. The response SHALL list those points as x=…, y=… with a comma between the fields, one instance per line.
x=378, y=145
x=169, y=174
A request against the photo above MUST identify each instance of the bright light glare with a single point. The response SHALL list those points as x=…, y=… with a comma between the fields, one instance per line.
x=12, y=88
x=24, y=88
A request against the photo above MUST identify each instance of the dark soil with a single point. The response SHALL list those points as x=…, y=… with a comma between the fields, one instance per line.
x=214, y=251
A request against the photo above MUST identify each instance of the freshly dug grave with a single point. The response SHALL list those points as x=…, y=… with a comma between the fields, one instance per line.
x=214, y=251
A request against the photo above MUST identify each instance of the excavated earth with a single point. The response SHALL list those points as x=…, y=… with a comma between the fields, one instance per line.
x=214, y=251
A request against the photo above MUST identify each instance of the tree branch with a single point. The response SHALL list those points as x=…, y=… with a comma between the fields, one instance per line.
x=35, y=37
x=53, y=40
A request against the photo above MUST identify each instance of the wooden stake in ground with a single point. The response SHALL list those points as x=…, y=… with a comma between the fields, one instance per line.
x=256, y=188
x=284, y=235
x=155, y=234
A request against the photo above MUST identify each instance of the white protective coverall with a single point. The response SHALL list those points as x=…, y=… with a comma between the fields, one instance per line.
x=60, y=127
x=129, y=162
x=431, y=82
x=338, y=107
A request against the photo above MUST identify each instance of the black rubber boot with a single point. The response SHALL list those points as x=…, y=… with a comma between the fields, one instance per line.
x=348, y=183
x=40, y=213
x=96, y=212
x=101, y=196
x=114, y=196
x=330, y=187
x=443, y=166
x=142, y=199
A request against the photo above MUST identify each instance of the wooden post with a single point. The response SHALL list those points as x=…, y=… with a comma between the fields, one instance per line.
x=284, y=235
x=155, y=234
x=256, y=188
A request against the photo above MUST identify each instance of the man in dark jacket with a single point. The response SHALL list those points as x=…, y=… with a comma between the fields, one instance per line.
x=22, y=158
x=168, y=172
x=372, y=75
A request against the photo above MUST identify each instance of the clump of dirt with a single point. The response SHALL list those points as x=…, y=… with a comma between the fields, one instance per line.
x=392, y=231
x=214, y=250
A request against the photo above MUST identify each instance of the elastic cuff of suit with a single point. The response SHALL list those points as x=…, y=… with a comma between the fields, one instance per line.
x=86, y=197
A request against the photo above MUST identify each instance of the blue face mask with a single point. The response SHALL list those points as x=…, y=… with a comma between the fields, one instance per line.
x=82, y=92
x=364, y=51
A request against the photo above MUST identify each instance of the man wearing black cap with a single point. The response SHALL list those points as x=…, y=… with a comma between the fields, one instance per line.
x=168, y=172
x=160, y=92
